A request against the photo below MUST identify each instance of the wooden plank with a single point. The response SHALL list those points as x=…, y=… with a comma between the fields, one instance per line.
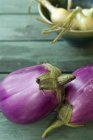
x=68, y=57
x=2, y=76
x=34, y=131
x=17, y=7
x=22, y=27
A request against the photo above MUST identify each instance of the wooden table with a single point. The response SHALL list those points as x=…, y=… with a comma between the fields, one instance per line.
x=21, y=45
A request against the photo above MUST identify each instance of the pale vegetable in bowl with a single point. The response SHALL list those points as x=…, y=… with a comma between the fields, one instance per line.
x=71, y=19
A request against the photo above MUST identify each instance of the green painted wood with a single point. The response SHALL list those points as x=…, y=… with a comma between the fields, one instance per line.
x=67, y=57
x=16, y=7
x=22, y=27
x=9, y=130
x=2, y=76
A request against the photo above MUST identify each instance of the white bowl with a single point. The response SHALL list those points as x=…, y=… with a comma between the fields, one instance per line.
x=72, y=34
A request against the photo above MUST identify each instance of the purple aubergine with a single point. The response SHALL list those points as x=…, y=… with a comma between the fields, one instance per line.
x=29, y=94
x=78, y=107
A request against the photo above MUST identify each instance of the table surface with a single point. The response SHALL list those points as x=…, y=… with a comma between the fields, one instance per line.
x=21, y=45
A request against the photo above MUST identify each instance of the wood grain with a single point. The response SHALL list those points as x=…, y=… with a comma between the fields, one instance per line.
x=22, y=27
x=67, y=57
x=17, y=7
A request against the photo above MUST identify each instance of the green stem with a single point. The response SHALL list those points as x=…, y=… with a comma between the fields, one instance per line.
x=67, y=24
x=53, y=126
x=74, y=125
x=51, y=29
x=64, y=117
x=64, y=79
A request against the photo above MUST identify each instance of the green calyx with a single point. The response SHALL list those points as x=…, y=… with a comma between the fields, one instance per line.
x=48, y=81
x=63, y=118
x=64, y=79
x=54, y=80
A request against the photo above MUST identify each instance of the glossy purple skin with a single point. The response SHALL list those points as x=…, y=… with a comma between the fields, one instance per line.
x=79, y=94
x=21, y=100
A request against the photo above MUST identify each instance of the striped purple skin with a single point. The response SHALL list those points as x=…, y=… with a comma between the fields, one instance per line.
x=79, y=94
x=21, y=100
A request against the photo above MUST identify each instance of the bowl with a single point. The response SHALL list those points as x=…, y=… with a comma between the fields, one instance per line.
x=73, y=35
